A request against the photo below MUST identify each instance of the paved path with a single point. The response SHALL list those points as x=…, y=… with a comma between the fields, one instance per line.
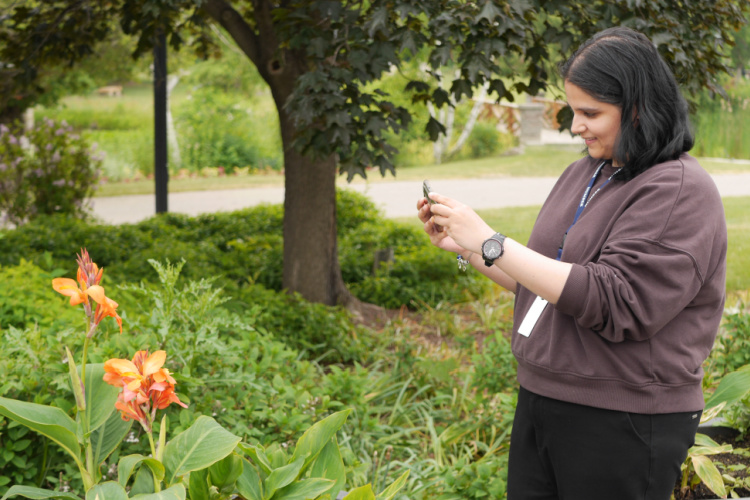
x=395, y=198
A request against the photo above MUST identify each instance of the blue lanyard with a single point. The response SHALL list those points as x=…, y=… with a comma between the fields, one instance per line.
x=585, y=199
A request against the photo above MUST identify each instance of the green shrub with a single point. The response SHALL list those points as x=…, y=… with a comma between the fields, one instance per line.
x=216, y=131
x=48, y=170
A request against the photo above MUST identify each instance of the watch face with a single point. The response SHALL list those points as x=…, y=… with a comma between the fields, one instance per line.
x=492, y=249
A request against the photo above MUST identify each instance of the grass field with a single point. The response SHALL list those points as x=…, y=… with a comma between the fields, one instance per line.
x=536, y=161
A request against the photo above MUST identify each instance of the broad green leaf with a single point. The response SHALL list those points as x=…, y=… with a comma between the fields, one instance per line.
x=143, y=483
x=302, y=490
x=317, y=437
x=362, y=493
x=712, y=412
x=109, y=490
x=710, y=475
x=248, y=484
x=37, y=493
x=108, y=436
x=175, y=492
x=46, y=420
x=100, y=396
x=258, y=454
x=224, y=473
x=127, y=465
x=329, y=465
x=281, y=477
x=199, y=446
x=710, y=450
x=732, y=388
x=704, y=440
x=390, y=491
x=198, y=485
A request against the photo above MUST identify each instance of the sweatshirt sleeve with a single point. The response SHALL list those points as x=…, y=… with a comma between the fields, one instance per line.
x=654, y=261
x=632, y=291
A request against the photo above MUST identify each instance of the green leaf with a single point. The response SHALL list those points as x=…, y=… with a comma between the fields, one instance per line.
x=281, y=477
x=143, y=483
x=710, y=475
x=31, y=492
x=712, y=450
x=302, y=490
x=199, y=446
x=198, y=485
x=47, y=421
x=100, y=396
x=390, y=491
x=732, y=388
x=362, y=493
x=109, y=490
x=224, y=473
x=317, y=437
x=703, y=440
x=127, y=465
x=489, y=12
x=248, y=484
x=258, y=454
x=176, y=492
x=329, y=465
x=109, y=435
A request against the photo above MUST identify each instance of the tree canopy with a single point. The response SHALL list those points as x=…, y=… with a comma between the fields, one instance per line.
x=319, y=57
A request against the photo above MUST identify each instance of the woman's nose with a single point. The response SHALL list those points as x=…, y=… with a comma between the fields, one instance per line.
x=577, y=127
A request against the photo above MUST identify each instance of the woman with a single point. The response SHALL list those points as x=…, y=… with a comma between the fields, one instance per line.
x=619, y=292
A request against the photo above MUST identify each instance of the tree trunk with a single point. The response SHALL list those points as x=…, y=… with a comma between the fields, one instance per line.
x=311, y=265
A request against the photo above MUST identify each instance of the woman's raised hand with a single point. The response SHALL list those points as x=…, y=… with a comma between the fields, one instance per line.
x=460, y=222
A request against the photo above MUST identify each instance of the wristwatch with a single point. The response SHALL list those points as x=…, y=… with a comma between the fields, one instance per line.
x=493, y=249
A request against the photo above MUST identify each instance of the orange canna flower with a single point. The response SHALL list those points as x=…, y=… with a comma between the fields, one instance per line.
x=164, y=398
x=69, y=287
x=105, y=306
x=146, y=386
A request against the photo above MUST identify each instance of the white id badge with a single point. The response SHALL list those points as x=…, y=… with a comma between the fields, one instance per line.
x=532, y=316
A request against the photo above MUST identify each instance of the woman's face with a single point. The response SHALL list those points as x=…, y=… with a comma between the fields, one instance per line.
x=597, y=122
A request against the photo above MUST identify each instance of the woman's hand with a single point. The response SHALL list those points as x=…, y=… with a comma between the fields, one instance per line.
x=437, y=234
x=460, y=222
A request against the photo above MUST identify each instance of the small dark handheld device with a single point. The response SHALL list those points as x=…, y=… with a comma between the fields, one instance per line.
x=426, y=189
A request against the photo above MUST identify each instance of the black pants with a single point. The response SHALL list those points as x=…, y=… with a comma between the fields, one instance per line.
x=565, y=451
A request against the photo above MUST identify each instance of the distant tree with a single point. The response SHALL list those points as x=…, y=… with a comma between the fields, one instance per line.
x=318, y=57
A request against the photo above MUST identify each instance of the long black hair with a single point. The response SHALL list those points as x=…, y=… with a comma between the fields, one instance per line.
x=621, y=66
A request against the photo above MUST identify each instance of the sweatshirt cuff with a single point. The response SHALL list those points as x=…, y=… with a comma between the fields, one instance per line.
x=571, y=300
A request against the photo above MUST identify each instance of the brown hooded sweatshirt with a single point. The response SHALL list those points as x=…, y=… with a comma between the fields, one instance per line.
x=640, y=310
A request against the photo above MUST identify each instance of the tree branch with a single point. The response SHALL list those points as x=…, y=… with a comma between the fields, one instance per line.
x=242, y=33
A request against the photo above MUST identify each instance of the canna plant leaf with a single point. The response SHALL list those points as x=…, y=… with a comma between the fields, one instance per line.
x=46, y=420
x=109, y=490
x=202, y=444
x=709, y=474
x=317, y=437
x=37, y=493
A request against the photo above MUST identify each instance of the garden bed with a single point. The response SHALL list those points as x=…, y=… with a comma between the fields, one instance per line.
x=736, y=464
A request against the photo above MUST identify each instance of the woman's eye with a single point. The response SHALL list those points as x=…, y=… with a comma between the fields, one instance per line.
x=588, y=114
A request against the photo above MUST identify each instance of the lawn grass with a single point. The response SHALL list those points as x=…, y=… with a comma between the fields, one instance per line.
x=536, y=161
